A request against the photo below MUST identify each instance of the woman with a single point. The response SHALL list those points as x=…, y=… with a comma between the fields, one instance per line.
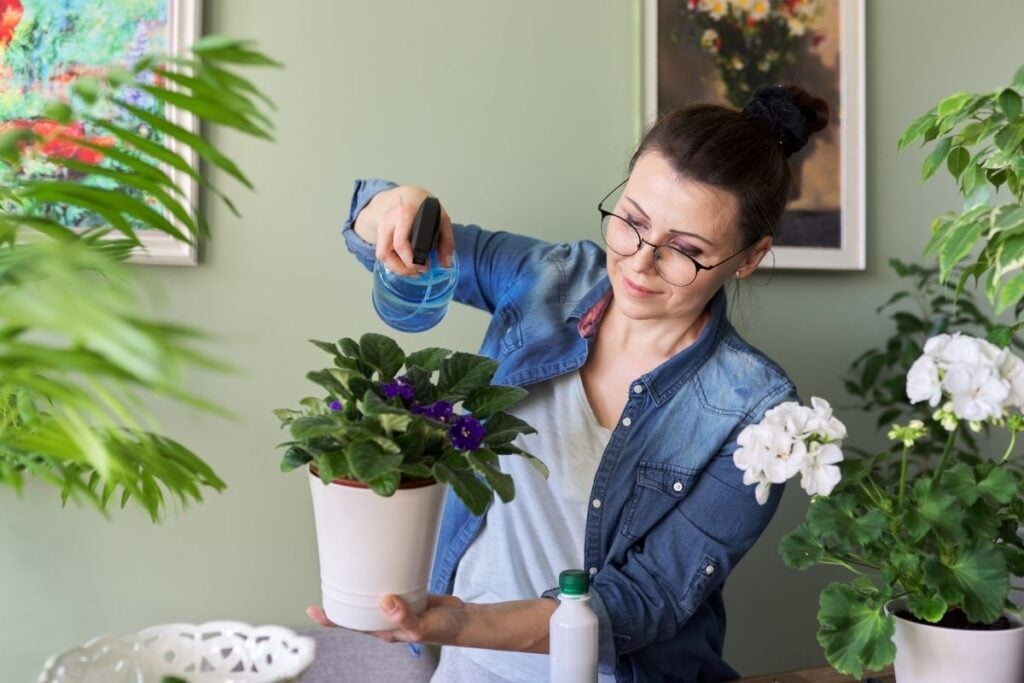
x=639, y=387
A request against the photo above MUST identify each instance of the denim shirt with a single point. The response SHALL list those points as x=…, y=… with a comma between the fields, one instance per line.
x=670, y=516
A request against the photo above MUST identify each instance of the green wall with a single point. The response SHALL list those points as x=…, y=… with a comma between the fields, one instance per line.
x=519, y=116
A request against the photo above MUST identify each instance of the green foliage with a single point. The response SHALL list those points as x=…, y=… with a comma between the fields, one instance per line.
x=979, y=137
x=380, y=427
x=923, y=308
x=77, y=356
x=933, y=525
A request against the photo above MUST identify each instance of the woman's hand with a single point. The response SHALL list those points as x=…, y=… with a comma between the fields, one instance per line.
x=440, y=623
x=387, y=221
x=516, y=625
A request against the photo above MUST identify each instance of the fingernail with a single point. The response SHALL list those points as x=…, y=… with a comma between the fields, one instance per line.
x=389, y=604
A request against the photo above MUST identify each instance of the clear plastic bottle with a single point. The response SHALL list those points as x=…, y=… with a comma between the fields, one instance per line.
x=414, y=303
x=572, y=633
x=418, y=302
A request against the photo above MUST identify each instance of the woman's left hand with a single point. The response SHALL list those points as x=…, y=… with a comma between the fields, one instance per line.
x=439, y=624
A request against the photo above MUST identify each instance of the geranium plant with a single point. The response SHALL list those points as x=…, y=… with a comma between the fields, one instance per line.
x=388, y=417
x=752, y=41
x=929, y=523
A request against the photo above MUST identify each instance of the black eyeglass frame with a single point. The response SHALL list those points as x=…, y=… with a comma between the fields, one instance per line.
x=697, y=265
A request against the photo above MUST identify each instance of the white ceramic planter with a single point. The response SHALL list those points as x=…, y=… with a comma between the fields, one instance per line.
x=934, y=654
x=371, y=545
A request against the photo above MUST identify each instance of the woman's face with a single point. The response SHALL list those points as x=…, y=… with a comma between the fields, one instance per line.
x=697, y=219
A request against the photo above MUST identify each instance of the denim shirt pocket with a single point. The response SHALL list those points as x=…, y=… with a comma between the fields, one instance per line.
x=658, y=489
x=511, y=334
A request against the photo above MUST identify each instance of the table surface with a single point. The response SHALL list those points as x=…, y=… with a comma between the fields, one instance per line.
x=821, y=675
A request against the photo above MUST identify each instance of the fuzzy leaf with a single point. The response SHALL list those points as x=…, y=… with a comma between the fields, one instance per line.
x=429, y=358
x=470, y=490
x=383, y=353
x=502, y=428
x=486, y=401
x=464, y=373
x=368, y=462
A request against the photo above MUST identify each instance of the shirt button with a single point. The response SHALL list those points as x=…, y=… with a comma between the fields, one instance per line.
x=709, y=570
x=638, y=389
x=626, y=422
x=678, y=486
x=593, y=570
x=596, y=502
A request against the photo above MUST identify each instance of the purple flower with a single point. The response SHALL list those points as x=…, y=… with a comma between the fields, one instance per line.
x=440, y=411
x=336, y=405
x=400, y=387
x=466, y=433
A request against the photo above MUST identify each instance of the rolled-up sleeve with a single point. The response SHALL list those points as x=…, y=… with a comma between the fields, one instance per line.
x=362, y=192
x=488, y=261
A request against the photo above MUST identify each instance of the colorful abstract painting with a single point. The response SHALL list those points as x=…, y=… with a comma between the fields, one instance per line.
x=46, y=46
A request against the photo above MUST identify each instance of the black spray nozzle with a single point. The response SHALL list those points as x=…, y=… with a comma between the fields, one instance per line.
x=425, y=230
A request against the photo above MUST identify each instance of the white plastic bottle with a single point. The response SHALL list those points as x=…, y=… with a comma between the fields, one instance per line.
x=573, y=631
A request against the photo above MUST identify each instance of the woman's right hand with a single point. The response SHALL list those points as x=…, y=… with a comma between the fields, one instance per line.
x=387, y=221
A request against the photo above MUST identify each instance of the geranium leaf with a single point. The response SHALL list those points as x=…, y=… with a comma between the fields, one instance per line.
x=1000, y=485
x=800, y=548
x=928, y=607
x=854, y=631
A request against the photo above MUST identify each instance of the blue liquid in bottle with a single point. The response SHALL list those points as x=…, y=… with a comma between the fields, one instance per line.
x=414, y=303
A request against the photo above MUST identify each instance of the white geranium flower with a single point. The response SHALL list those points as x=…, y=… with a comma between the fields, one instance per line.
x=819, y=473
x=935, y=346
x=823, y=422
x=755, y=447
x=750, y=477
x=978, y=392
x=1012, y=370
x=923, y=381
x=792, y=418
x=961, y=350
x=786, y=461
x=796, y=26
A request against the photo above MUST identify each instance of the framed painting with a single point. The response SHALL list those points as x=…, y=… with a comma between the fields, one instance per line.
x=721, y=50
x=45, y=45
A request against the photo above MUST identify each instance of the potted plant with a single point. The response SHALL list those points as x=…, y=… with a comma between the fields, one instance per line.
x=80, y=175
x=930, y=529
x=381, y=445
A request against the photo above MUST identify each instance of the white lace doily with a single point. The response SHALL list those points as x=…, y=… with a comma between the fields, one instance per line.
x=214, y=652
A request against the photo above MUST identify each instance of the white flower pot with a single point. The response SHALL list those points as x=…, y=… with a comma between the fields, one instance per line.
x=371, y=545
x=935, y=654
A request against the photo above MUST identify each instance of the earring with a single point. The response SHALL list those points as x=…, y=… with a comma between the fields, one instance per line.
x=739, y=274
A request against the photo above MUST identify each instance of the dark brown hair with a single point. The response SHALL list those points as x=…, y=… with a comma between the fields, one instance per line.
x=741, y=151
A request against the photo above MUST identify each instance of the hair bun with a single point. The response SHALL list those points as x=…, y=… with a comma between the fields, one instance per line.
x=790, y=112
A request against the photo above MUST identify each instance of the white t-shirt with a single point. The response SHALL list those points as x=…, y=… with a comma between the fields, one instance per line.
x=525, y=544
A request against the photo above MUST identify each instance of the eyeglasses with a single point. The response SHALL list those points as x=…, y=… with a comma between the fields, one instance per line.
x=672, y=264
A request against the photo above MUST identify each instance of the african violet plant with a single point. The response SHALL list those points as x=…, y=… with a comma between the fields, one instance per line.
x=388, y=417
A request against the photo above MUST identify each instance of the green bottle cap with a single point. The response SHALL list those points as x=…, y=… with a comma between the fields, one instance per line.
x=573, y=582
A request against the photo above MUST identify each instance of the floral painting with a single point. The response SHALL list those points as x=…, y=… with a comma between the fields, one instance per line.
x=721, y=50
x=50, y=50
